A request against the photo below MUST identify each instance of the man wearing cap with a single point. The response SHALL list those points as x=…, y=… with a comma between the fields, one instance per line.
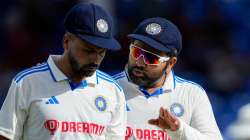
x=67, y=98
x=161, y=105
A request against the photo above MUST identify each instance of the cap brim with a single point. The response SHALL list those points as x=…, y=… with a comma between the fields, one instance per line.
x=150, y=42
x=107, y=43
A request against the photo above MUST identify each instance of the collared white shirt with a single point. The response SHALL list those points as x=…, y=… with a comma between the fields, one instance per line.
x=42, y=104
x=184, y=99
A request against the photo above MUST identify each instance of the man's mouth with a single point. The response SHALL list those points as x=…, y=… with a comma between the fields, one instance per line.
x=137, y=72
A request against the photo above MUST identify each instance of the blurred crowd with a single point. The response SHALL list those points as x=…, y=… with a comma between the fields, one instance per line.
x=216, y=42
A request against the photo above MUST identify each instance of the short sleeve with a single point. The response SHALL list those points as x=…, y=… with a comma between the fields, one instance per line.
x=13, y=113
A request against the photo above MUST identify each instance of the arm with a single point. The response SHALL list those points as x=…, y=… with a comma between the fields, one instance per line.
x=12, y=113
x=202, y=126
x=117, y=129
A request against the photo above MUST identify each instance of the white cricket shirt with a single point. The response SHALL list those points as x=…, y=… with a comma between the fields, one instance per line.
x=42, y=104
x=184, y=99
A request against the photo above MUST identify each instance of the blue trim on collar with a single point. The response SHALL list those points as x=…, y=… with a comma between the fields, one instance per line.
x=174, y=79
x=127, y=108
x=81, y=85
x=97, y=81
x=155, y=93
x=127, y=75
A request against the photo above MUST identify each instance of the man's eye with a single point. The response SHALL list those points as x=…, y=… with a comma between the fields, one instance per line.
x=88, y=51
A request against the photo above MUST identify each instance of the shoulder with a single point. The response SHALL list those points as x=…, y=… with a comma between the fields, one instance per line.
x=188, y=85
x=119, y=75
x=31, y=72
x=193, y=91
x=106, y=77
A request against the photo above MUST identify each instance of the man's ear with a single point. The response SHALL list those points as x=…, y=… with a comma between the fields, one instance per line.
x=172, y=61
x=66, y=40
x=170, y=64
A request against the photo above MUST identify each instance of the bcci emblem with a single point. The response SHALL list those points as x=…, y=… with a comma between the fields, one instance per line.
x=100, y=103
x=102, y=25
x=153, y=29
x=177, y=109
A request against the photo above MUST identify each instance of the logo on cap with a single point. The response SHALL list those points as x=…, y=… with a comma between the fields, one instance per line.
x=153, y=29
x=177, y=109
x=102, y=25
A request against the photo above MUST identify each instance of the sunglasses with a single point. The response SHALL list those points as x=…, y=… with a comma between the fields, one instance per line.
x=148, y=57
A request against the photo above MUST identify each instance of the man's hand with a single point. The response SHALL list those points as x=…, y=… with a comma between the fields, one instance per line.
x=166, y=120
x=3, y=138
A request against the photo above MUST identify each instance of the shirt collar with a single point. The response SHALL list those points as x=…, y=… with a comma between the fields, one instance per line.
x=169, y=84
x=58, y=75
x=92, y=80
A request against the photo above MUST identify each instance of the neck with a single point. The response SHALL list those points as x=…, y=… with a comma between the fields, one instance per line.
x=64, y=65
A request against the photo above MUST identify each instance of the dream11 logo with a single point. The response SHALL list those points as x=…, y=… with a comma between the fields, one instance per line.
x=51, y=125
x=129, y=133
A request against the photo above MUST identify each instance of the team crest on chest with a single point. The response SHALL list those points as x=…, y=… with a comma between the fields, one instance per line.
x=100, y=103
x=177, y=109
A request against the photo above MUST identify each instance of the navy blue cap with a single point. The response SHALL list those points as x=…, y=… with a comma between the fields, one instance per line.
x=92, y=24
x=160, y=34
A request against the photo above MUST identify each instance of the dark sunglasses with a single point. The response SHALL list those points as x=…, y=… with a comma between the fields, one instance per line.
x=148, y=57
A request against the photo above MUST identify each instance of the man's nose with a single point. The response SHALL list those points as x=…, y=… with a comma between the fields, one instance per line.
x=140, y=61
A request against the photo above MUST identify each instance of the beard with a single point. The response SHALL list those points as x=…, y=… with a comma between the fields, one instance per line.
x=85, y=70
x=145, y=80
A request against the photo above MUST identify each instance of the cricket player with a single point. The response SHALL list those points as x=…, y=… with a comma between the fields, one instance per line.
x=161, y=105
x=67, y=98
